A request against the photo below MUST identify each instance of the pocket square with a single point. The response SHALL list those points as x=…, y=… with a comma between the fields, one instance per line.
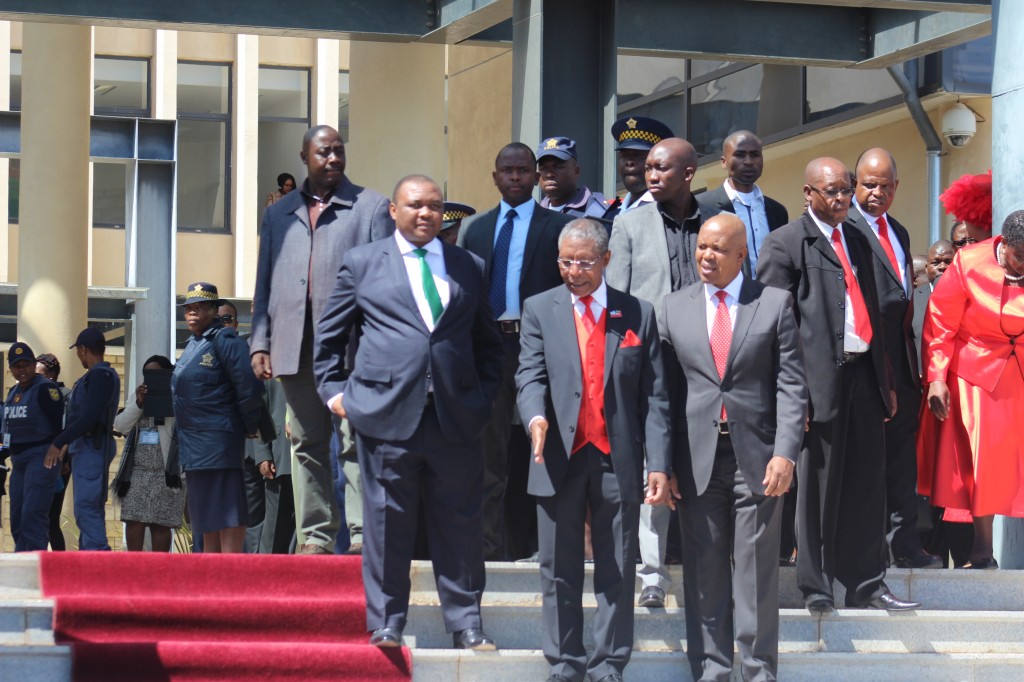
x=631, y=340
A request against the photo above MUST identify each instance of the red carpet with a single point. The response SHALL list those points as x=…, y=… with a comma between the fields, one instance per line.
x=197, y=618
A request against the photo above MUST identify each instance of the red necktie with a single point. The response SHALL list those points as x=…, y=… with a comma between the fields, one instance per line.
x=883, y=236
x=588, y=315
x=861, y=321
x=721, y=337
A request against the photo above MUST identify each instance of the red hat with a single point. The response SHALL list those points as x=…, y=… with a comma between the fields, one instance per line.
x=970, y=199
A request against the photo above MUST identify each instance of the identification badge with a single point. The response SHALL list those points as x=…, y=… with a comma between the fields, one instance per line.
x=7, y=440
x=149, y=437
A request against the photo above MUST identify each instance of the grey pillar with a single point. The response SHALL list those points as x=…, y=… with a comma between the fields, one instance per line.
x=563, y=79
x=1007, y=192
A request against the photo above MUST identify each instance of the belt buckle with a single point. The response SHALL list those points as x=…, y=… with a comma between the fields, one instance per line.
x=723, y=428
x=508, y=326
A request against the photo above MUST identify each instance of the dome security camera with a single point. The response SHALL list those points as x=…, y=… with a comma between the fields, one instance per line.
x=959, y=125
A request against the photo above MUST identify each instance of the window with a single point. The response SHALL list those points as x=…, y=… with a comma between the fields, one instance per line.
x=121, y=87
x=204, y=131
x=109, y=194
x=15, y=81
x=832, y=91
x=13, y=188
x=722, y=106
x=284, y=119
x=343, y=95
x=640, y=77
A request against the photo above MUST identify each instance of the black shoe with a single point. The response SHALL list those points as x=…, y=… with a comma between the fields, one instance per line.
x=887, y=602
x=988, y=564
x=653, y=597
x=918, y=559
x=611, y=677
x=819, y=604
x=475, y=639
x=386, y=637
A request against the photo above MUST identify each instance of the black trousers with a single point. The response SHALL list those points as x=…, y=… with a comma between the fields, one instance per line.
x=841, y=514
x=901, y=470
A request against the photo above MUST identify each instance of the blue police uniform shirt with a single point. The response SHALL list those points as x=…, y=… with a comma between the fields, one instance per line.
x=32, y=416
x=517, y=249
x=96, y=392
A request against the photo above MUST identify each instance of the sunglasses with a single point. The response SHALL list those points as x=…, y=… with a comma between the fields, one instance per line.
x=227, y=319
x=961, y=243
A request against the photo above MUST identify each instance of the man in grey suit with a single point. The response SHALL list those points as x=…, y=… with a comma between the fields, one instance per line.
x=738, y=427
x=518, y=242
x=653, y=246
x=418, y=397
x=302, y=240
x=591, y=374
x=743, y=159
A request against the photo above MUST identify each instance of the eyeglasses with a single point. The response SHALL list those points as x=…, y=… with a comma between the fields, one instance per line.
x=961, y=243
x=227, y=319
x=833, y=194
x=567, y=263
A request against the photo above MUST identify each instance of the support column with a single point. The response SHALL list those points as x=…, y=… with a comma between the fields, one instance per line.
x=563, y=79
x=5, y=105
x=53, y=248
x=245, y=164
x=1007, y=194
x=397, y=115
x=325, y=83
x=165, y=74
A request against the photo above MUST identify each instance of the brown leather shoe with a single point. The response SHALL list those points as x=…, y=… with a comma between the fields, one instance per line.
x=312, y=549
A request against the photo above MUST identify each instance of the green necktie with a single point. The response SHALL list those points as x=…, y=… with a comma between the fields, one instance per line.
x=429, y=288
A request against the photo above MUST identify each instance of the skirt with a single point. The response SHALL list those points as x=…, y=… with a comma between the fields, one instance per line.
x=216, y=500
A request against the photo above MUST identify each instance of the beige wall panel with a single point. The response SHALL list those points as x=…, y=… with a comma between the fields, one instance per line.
x=282, y=51
x=126, y=42
x=206, y=258
x=206, y=47
x=16, y=33
x=477, y=126
x=12, y=253
x=107, y=257
x=343, y=55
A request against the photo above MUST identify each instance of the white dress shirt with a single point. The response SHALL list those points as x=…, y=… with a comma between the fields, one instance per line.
x=749, y=207
x=897, y=248
x=851, y=342
x=435, y=259
x=732, y=299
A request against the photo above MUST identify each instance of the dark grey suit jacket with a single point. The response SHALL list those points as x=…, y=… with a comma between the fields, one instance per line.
x=540, y=271
x=387, y=390
x=719, y=201
x=896, y=306
x=286, y=242
x=764, y=388
x=550, y=382
x=798, y=258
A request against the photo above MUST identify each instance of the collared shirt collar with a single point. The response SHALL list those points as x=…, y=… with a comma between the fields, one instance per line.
x=645, y=198
x=825, y=229
x=310, y=197
x=405, y=246
x=695, y=215
x=524, y=211
x=732, y=289
x=600, y=295
x=733, y=193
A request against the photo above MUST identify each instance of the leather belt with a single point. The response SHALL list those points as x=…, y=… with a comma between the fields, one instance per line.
x=508, y=326
x=723, y=428
x=850, y=358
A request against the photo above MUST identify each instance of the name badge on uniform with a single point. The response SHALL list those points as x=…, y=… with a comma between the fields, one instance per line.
x=207, y=360
x=7, y=440
x=149, y=437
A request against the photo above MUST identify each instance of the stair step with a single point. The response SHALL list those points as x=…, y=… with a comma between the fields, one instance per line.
x=35, y=663
x=846, y=631
x=26, y=621
x=511, y=583
x=515, y=666
x=19, y=575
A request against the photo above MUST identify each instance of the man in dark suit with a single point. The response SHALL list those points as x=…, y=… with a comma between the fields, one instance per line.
x=738, y=426
x=742, y=158
x=302, y=239
x=419, y=394
x=893, y=271
x=591, y=374
x=518, y=242
x=940, y=257
x=654, y=246
x=826, y=265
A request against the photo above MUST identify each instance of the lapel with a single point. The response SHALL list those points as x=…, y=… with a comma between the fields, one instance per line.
x=452, y=264
x=819, y=242
x=300, y=210
x=614, y=329
x=698, y=331
x=565, y=328
x=858, y=220
x=745, y=310
x=537, y=223
x=490, y=225
x=394, y=262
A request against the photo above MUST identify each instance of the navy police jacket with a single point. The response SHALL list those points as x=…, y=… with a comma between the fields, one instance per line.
x=217, y=400
x=32, y=416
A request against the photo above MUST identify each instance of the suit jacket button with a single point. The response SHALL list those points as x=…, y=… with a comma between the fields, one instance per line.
x=839, y=275
x=428, y=375
x=903, y=295
x=572, y=429
x=842, y=303
x=577, y=394
x=839, y=335
x=302, y=281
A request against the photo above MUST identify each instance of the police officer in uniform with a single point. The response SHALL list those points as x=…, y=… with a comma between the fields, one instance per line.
x=634, y=136
x=88, y=437
x=33, y=414
x=451, y=221
x=559, y=181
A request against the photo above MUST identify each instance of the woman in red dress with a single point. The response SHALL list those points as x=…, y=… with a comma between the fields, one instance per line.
x=970, y=455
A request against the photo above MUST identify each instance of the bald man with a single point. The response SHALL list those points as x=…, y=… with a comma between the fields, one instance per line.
x=891, y=261
x=738, y=430
x=653, y=247
x=743, y=160
x=825, y=263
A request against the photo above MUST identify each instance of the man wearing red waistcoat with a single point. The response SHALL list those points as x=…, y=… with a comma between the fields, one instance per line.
x=590, y=373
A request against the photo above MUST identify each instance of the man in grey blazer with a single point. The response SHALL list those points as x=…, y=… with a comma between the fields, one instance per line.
x=302, y=239
x=653, y=246
x=592, y=392
x=739, y=421
x=418, y=396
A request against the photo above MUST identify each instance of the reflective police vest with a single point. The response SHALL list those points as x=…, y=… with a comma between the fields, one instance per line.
x=24, y=419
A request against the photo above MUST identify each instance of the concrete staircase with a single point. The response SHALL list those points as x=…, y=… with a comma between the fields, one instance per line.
x=27, y=651
x=971, y=629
